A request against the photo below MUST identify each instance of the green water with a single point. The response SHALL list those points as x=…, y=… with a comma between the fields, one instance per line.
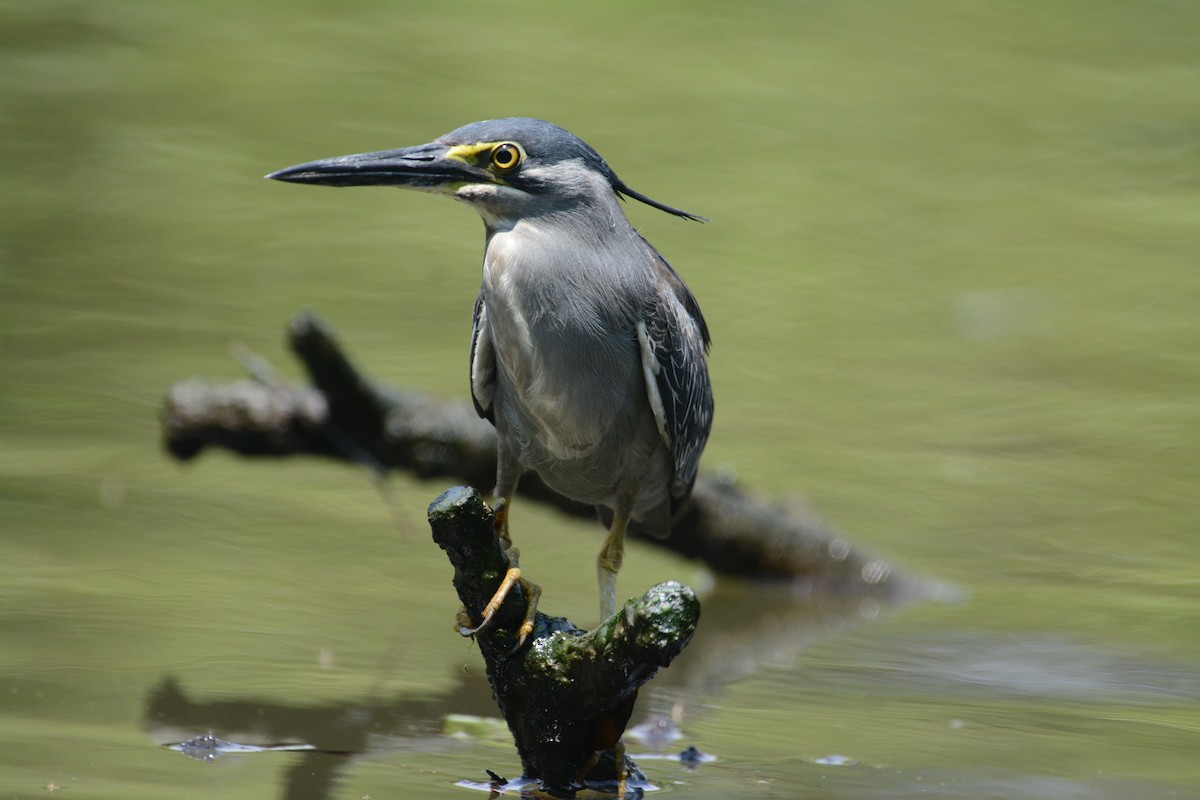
x=952, y=279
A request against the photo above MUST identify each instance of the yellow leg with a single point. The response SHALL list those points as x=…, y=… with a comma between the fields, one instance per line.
x=500, y=522
x=512, y=577
x=532, y=593
x=608, y=564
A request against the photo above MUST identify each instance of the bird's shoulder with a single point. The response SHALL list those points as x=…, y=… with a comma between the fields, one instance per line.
x=671, y=285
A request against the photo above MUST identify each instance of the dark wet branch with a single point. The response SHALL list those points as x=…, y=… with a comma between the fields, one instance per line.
x=566, y=694
x=346, y=416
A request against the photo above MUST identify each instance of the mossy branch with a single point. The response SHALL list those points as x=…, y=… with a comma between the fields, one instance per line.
x=566, y=693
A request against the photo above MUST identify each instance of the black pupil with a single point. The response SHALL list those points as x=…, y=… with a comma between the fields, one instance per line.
x=505, y=156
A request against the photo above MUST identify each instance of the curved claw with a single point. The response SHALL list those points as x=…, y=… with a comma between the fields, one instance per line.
x=532, y=592
x=512, y=577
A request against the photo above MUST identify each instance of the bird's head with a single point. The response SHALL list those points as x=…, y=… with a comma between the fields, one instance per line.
x=504, y=167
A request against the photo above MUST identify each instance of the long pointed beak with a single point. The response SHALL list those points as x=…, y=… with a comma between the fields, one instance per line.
x=425, y=166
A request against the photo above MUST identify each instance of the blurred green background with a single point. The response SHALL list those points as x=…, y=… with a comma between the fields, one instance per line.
x=952, y=280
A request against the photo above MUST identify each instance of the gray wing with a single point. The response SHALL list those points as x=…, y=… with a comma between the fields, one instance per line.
x=674, y=344
x=483, y=362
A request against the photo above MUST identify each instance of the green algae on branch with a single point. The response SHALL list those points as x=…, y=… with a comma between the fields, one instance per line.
x=567, y=693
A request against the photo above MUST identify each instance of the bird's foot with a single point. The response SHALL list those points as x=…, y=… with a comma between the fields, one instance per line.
x=511, y=578
x=532, y=593
x=500, y=522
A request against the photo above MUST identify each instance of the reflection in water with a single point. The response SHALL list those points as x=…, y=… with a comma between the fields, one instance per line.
x=974, y=666
x=744, y=626
x=530, y=788
x=337, y=732
x=209, y=748
x=691, y=757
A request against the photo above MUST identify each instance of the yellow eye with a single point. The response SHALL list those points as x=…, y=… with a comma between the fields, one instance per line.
x=506, y=156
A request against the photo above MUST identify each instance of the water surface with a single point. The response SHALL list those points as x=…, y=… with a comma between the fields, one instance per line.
x=951, y=276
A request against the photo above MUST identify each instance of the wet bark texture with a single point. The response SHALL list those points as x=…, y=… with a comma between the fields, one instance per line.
x=565, y=693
